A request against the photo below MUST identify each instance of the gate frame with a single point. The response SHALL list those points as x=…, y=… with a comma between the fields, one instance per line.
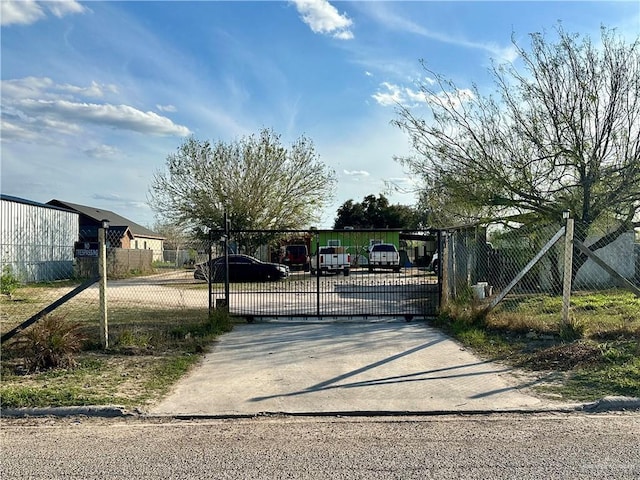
x=223, y=237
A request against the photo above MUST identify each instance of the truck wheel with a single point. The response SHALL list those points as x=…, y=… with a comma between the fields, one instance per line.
x=370, y=269
x=346, y=272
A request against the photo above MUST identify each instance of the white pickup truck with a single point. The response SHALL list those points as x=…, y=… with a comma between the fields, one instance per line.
x=330, y=259
x=384, y=255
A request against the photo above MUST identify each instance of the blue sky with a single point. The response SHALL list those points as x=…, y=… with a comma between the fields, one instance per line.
x=95, y=95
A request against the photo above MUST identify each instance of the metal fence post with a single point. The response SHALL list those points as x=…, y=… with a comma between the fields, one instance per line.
x=209, y=269
x=227, y=280
x=102, y=266
x=318, y=273
x=568, y=264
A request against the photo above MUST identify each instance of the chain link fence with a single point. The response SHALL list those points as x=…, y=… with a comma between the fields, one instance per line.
x=517, y=272
x=145, y=296
x=523, y=267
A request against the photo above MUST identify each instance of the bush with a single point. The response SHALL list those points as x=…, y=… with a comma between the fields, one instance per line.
x=50, y=343
x=8, y=282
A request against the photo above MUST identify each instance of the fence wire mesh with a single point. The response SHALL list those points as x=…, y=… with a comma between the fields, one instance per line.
x=604, y=290
x=151, y=293
x=528, y=261
x=147, y=287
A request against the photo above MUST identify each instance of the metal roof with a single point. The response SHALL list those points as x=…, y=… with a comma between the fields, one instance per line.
x=115, y=220
x=11, y=198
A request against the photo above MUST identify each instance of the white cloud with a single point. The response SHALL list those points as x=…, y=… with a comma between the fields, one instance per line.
x=111, y=197
x=383, y=14
x=20, y=13
x=322, y=17
x=94, y=91
x=60, y=8
x=11, y=131
x=166, y=108
x=356, y=173
x=117, y=116
x=32, y=104
x=26, y=12
x=390, y=94
x=43, y=87
x=103, y=151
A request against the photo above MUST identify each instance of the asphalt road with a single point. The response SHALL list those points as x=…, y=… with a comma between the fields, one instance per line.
x=575, y=446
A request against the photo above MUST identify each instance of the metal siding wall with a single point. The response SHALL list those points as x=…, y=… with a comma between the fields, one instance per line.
x=37, y=242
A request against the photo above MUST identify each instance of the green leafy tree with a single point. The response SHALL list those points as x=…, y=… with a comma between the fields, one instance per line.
x=260, y=183
x=561, y=132
x=375, y=212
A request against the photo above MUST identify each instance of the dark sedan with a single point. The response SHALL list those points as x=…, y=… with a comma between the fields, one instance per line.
x=242, y=268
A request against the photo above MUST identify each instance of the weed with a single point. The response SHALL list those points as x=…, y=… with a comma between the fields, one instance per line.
x=51, y=343
x=598, y=349
x=129, y=338
x=572, y=329
x=601, y=380
x=219, y=321
x=464, y=309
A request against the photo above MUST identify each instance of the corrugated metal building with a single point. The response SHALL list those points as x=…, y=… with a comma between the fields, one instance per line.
x=37, y=240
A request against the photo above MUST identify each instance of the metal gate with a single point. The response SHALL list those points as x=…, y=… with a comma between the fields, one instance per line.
x=318, y=273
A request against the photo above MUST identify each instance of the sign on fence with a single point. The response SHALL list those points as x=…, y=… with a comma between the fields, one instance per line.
x=86, y=249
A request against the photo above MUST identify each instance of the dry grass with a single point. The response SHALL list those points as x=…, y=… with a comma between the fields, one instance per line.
x=598, y=349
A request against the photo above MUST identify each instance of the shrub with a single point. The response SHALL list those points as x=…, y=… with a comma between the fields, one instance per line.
x=50, y=343
x=8, y=282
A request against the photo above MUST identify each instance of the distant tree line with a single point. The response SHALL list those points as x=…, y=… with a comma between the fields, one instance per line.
x=376, y=212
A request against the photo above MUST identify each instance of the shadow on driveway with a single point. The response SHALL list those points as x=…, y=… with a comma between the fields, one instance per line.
x=315, y=367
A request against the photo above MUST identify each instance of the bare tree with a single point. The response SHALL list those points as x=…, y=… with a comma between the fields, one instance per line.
x=257, y=181
x=561, y=133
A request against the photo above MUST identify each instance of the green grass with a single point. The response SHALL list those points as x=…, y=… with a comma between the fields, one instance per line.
x=592, y=383
x=149, y=351
x=597, y=351
x=151, y=348
x=108, y=381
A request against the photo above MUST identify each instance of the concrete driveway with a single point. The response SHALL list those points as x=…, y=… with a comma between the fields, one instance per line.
x=383, y=365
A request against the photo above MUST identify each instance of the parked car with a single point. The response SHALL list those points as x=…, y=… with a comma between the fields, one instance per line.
x=384, y=255
x=330, y=259
x=434, y=265
x=296, y=256
x=242, y=268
